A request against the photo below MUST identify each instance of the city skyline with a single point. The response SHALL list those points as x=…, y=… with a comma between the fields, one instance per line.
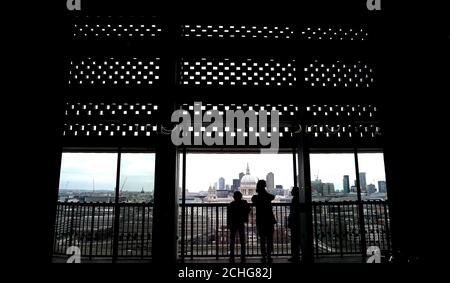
x=85, y=171
x=97, y=171
x=332, y=167
x=200, y=165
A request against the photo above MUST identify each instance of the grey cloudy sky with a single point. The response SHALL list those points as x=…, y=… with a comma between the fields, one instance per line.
x=203, y=170
x=79, y=170
x=82, y=171
x=331, y=168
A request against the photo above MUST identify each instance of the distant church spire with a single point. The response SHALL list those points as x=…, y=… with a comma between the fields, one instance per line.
x=248, y=170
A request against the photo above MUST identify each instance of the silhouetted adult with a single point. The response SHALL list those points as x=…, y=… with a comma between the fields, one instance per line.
x=238, y=211
x=264, y=219
x=294, y=224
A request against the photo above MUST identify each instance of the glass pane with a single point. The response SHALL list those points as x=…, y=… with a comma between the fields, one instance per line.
x=373, y=193
x=372, y=176
x=214, y=177
x=137, y=177
x=137, y=174
x=88, y=177
x=333, y=177
x=211, y=180
x=85, y=213
x=335, y=206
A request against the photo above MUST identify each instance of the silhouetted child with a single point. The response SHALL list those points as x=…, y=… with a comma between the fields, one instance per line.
x=264, y=219
x=238, y=211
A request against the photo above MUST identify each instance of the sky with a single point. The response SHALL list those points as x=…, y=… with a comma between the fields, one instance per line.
x=83, y=171
x=331, y=168
x=373, y=165
x=203, y=170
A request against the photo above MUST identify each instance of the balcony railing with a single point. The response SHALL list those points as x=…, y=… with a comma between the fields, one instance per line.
x=204, y=233
x=90, y=226
x=337, y=229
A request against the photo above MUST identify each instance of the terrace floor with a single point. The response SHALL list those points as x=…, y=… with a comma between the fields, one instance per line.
x=221, y=260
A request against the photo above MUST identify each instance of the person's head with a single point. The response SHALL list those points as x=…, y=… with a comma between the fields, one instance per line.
x=295, y=192
x=260, y=186
x=237, y=195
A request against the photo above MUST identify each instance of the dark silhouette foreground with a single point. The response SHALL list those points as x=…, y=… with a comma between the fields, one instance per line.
x=238, y=211
x=264, y=219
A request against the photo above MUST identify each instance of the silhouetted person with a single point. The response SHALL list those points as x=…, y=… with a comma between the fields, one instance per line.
x=238, y=211
x=264, y=219
x=294, y=224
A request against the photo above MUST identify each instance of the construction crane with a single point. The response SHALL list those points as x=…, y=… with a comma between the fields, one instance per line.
x=317, y=175
x=123, y=184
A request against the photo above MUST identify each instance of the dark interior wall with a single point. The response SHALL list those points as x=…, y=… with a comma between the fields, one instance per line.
x=409, y=145
x=413, y=56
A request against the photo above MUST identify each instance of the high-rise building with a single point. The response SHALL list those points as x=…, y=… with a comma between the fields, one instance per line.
x=327, y=189
x=317, y=186
x=362, y=181
x=236, y=184
x=279, y=191
x=221, y=183
x=371, y=189
x=382, y=186
x=270, y=182
x=346, y=184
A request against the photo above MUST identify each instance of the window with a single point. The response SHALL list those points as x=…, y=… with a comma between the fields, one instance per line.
x=335, y=207
x=137, y=175
x=88, y=177
x=333, y=177
x=373, y=193
x=213, y=177
x=211, y=180
x=372, y=176
x=87, y=209
x=136, y=215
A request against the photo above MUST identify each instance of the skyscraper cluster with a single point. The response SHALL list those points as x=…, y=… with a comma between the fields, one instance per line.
x=365, y=188
x=223, y=189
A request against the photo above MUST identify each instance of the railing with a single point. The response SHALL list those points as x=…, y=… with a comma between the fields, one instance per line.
x=206, y=233
x=90, y=227
x=336, y=229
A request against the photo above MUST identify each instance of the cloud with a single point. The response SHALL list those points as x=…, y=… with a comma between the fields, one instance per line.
x=78, y=170
x=203, y=170
x=84, y=170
